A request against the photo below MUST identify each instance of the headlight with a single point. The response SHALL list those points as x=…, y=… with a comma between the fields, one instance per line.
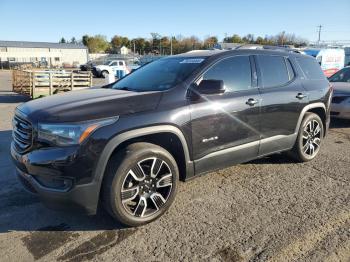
x=70, y=133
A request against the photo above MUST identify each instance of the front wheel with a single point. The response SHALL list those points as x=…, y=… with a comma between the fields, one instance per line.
x=140, y=184
x=309, y=138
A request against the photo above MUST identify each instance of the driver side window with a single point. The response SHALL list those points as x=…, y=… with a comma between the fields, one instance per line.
x=234, y=71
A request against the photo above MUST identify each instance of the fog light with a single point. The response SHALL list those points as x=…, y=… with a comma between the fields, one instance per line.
x=58, y=183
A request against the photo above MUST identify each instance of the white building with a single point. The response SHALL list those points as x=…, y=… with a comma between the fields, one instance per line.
x=53, y=54
x=124, y=50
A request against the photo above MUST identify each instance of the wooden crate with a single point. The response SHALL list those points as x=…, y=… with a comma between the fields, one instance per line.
x=35, y=83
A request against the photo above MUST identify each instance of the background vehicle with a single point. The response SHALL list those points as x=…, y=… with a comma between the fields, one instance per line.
x=341, y=97
x=110, y=67
x=331, y=59
x=128, y=144
x=88, y=66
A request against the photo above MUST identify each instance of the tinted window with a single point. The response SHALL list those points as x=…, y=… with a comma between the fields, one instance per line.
x=341, y=76
x=273, y=70
x=311, y=68
x=160, y=75
x=234, y=71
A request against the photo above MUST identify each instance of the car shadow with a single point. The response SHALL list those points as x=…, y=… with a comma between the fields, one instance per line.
x=279, y=158
x=339, y=123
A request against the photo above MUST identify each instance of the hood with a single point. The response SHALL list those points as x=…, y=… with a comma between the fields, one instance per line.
x=89, y=104
x=341, y=88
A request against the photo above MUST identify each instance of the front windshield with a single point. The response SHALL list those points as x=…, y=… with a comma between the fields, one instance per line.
x=341, y=76
x=160, y=75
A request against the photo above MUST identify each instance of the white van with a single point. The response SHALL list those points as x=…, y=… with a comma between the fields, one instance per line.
x=330, y=59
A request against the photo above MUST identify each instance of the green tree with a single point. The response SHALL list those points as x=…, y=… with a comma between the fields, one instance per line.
x=118, y=41
x=259, y=40
x=156, y=44
x=73, y=40
x=210, y=41
x=140, y=44
x=236, y=39
x=97, y=44
x=85, y=40
x=62, y=41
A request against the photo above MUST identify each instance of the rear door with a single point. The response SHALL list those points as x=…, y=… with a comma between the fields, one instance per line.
x=282, y=100
x=225, y=126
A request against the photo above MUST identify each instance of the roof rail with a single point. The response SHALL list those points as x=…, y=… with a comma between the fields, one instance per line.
x=268, y=47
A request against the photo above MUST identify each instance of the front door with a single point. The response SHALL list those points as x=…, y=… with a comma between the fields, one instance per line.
x=225, y=127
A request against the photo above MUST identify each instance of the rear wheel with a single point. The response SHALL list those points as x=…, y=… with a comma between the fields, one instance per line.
x=140, y=184
x=309, y=138
x=104, y=74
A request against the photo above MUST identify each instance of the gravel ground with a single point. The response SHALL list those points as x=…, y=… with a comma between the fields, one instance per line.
x=266, y=210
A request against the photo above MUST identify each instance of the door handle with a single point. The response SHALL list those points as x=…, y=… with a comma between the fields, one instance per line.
x=301, y=96
x=251, y=102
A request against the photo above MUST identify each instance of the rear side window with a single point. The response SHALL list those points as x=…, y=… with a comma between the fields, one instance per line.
x=234, y=71
x=311, y=68
x=273, y=70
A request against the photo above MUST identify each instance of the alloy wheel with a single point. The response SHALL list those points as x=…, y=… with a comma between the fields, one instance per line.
x=146, y=187
x=311, y=139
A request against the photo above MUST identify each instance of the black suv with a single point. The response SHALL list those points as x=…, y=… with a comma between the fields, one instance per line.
x=128, y=144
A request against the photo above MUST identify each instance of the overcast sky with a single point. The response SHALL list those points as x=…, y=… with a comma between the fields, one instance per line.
x=34, y=20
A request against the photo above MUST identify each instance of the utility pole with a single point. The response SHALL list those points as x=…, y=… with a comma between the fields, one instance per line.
x=171, y=45
x=319, y=34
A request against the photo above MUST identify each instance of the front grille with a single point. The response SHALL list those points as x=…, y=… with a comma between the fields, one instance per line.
x=22, y=133
x=339, y=99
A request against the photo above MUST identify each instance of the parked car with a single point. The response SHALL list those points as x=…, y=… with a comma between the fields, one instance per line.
x=110, y=67
x=127, y=145
x=331, y=60
x=340, y=107
x=88, y=66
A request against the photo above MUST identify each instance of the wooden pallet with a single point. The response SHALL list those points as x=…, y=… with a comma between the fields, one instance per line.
x=35, y=83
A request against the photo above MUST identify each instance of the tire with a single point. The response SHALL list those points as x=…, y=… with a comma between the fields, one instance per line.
x=135, y=202
x=309, y=136
x=104, y=73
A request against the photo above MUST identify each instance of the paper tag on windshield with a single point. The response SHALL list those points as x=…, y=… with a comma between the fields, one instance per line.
x=192, y=61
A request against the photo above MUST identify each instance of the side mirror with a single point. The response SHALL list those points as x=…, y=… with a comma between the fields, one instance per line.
x=209, y=87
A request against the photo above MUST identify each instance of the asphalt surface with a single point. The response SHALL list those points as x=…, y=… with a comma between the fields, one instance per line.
x=270, y=209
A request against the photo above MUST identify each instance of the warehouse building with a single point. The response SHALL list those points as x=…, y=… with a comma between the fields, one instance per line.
x=41, y=54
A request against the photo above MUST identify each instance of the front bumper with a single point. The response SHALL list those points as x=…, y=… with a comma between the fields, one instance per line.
x=81, y=198
x=45, y=174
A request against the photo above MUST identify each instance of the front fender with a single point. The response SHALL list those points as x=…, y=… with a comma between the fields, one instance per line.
x=119, y=139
